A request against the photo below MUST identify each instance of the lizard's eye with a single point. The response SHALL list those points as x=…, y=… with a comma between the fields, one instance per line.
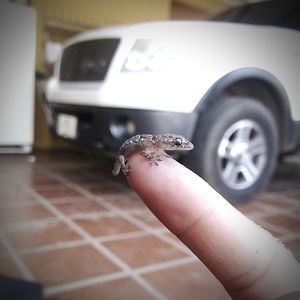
x=178, y=142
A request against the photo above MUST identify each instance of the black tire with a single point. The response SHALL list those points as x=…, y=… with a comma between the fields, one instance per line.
x=215, y=149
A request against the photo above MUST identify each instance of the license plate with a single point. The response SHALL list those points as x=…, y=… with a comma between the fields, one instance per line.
x=67, y=126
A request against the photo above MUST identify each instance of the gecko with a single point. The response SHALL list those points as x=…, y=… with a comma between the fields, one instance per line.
x=149, y=146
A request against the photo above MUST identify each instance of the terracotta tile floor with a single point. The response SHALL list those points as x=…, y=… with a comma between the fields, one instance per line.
x=67, y=223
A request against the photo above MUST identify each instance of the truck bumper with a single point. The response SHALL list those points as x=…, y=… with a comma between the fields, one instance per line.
x=109, y=127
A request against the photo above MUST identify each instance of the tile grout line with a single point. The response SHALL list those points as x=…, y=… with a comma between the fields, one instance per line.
x=267, y=226
x=11, y=228
x=121, y=237
x=269, y=211
x=50, y=291
x=76, y=243
x=176, y=244
x=118, y=275
x=16, y=258
x=99, y=247
x=119, y=212
x=290, y=236
x=166, y=265
x=51, y=247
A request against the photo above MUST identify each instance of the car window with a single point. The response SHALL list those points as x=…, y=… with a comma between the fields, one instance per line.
x=281, y=13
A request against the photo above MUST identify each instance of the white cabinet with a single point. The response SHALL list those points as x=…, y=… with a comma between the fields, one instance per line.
x=17, y=76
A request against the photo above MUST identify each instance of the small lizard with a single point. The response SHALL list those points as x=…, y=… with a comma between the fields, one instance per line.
x=148, y=145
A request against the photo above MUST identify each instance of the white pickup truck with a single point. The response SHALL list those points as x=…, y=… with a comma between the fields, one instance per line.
x=232, y=89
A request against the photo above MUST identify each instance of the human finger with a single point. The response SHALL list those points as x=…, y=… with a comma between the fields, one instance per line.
x=250, y=263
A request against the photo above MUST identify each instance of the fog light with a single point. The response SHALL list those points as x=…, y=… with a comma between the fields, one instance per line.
x=122, y=128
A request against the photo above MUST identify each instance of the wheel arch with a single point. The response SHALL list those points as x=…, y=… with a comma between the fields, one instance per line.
x=257, y=84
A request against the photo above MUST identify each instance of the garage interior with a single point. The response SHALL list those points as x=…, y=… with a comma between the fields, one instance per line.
x=65, y=223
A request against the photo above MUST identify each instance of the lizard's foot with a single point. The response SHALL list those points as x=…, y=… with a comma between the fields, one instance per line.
x=119, y=165
x=126, y=170
x=155, y=159
x=153, y=156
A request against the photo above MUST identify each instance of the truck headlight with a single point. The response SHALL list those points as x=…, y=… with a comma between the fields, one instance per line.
x=146, y=55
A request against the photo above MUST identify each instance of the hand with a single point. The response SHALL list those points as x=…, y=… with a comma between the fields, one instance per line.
x=248, y=260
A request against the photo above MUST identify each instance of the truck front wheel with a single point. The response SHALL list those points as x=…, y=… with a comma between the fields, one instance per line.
x=236, y=147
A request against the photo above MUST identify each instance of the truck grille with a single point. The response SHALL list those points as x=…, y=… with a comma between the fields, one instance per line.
x=88, y=60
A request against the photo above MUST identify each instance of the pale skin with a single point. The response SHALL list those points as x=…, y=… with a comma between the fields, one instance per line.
x=246, y=259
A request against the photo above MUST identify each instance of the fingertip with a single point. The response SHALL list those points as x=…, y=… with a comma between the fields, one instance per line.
x=173, y=193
